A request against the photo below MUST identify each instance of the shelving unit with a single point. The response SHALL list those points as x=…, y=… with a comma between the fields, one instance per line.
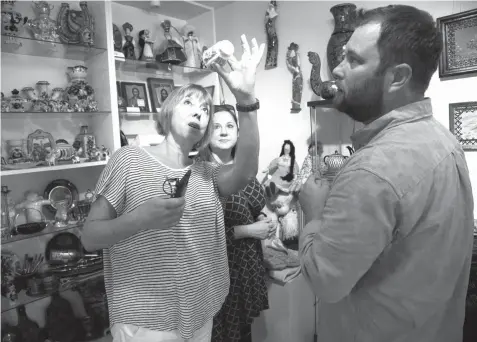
x=52, y=168
x=49, y=229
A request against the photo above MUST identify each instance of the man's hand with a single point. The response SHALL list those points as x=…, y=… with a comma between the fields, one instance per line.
x=312, y=197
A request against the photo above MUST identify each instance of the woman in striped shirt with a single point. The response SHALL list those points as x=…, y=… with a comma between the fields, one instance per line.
x=165, y=260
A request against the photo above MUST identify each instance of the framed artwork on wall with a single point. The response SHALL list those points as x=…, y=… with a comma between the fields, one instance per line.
x=463, y=124
x=160, y=88
x=135, y=96
x=459, y=53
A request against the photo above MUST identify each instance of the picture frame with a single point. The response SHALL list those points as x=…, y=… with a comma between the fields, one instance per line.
x=459, y=53
x=135, y=100
x=159, y=88
x=463, y=123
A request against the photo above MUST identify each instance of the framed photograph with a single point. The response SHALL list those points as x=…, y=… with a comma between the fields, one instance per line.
x=463, y=124
x=160, y=88
x=459, y=34
x=135, y=96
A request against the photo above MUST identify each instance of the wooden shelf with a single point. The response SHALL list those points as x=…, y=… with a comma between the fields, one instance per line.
x=52, y=168
x=321, y=103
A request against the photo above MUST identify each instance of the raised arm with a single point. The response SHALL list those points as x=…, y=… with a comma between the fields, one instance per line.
x=241, y=82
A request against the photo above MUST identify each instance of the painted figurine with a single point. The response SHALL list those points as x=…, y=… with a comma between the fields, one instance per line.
x=272, y=38
x=294, y=65
x=146, y=45
x=129, y=45
x=192, y=47
x=282, y=170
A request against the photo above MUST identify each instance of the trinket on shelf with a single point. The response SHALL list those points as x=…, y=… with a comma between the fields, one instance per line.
x=75, y=27
x=129, y=44
x=85, y=143
x=79, y=94
x=272, y=38
x=16, y=102
x=326, y=89
x=171, y=50
x=12, y=22
x=5, y=104
x=39, y=145
x=192, y=47
x=17, y=151
x=118, y=43
x=147, y=46
x=294, y=65
x=43, y=27
x=32, y=206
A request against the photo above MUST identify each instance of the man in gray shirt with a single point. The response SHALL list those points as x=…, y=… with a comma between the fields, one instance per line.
x=387, y=248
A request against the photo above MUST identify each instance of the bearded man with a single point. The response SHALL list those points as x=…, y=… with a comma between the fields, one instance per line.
x=387, y=248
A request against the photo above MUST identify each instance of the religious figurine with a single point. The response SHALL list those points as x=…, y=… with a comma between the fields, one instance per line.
x=294, y=65
x=272, y=38
x=43, y=27
x=129, y=45
x=171, y=50
x=146, y=45
x=118, y=43
x=75, y=27
x=192, y=47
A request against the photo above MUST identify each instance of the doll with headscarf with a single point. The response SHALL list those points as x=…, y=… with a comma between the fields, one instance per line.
x=282, y=170
x=192, y=47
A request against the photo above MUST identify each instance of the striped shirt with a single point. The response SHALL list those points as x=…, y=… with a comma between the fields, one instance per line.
x=172, y=279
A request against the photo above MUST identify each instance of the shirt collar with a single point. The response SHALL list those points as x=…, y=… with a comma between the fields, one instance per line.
x=410, y=112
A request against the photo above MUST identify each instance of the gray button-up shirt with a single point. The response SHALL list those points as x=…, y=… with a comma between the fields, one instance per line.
x=390, y=257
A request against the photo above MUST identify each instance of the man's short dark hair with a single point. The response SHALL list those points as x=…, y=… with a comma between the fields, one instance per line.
x=408, y=35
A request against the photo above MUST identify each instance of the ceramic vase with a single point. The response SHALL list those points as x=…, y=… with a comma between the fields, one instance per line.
x=79, y=94
x=345, y=18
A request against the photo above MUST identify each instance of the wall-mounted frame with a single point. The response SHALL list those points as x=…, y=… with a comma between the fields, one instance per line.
x=459, y=34
x=135, y=95
x=160, y=88
x=463, y=124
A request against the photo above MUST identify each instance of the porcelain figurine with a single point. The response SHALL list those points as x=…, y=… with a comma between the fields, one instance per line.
x=16, y=151
x=327, y=89
x=146, y=45
x=17, y=103
x=105, y=153
x=75, y=27
x=85, y=143
x=31, y=98
x=32, y=205
x=79, y=94
x=5, y=104
x=192, y=47
x=12, y=22
x=294, y=65
x=43, y=27
x=272, y=37
x=118, y=43
x=52, y=157
x=129, y=45
x=171, y=51
x=56, y=100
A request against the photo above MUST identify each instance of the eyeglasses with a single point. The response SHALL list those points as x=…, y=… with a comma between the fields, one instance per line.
x=170, y=186
x=224, y=107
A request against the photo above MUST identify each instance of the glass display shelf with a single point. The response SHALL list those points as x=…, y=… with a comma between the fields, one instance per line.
x=5, y=115
x=66, y=166
x=68, y=283
x=49, y=229
x=40, y=48
x=131, y=65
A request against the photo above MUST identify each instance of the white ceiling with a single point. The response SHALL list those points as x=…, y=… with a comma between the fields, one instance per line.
x=215, y=4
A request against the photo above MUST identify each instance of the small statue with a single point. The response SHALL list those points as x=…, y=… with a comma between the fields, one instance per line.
x=129, y=45
x=327, y=89
x=118, y=43
x=51, y=157
x=272, y=38
x=192, y=47
x=105, y=154
x=94, y=154
x=75, y=159
x=171, y=50
x=294, y=65
x=146, y=45
x=33, y=204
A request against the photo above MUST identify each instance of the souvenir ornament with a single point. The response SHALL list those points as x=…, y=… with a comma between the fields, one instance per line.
x=75, y=27
x=294, y=65
x=272, y=38
x=172, y=50
x=43, y=27
x=12, y=22
x=327, y=89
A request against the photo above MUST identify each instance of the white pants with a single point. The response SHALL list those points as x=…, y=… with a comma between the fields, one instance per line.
x=132, y=333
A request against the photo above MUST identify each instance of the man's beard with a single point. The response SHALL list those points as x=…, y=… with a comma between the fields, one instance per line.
x=363, y=100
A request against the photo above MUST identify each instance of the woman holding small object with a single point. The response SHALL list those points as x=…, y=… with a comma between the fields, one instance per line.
x=165, y=259
x=248, y=294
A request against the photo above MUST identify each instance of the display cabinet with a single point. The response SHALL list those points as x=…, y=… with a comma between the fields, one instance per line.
x=60, y=121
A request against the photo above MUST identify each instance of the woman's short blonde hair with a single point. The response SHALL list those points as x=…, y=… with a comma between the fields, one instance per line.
x=163, y=120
